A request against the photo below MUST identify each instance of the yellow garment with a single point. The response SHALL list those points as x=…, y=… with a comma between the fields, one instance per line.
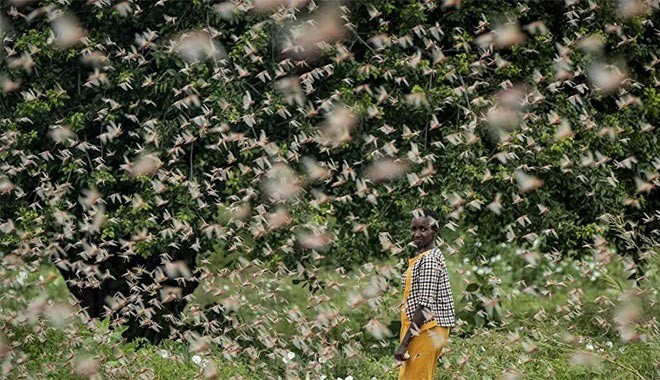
x=425, y=348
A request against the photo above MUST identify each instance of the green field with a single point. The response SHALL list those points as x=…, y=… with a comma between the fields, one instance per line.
x=568, y=328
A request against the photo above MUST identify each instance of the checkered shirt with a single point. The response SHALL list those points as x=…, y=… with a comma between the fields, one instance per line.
x=430, y=288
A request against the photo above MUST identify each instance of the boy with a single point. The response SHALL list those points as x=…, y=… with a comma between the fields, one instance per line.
x=427, y=311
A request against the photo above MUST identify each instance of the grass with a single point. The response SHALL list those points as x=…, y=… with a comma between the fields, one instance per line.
x=568, y=333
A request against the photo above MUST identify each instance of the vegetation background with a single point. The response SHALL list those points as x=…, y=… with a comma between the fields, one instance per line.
x=225, y=187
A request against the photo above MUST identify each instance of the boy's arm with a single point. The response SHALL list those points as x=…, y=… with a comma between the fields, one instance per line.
x=417, y=321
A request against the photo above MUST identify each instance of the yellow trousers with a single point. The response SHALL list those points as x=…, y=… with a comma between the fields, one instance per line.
x=424, y=351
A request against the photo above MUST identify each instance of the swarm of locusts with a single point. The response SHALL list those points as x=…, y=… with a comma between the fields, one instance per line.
x=237, y=175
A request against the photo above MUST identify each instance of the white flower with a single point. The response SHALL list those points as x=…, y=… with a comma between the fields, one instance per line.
x=197, y=359
x=164, y=353
x=349, y=377
x=609, y=344
x=291, y=355
x=589, y=346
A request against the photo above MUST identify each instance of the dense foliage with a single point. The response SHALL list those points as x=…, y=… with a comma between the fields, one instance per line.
x=142, y=141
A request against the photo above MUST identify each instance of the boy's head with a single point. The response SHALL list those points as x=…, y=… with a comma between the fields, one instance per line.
x=423, y=227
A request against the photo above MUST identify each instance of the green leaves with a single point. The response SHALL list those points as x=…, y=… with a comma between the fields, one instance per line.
x=471, y=288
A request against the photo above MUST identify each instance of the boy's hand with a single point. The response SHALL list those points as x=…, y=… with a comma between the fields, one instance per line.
x=401, y=354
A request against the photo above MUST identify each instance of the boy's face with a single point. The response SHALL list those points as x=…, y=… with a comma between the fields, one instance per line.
x=423, y=231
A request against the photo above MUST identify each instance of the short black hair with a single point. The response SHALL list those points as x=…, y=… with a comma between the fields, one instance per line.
x=426, y=212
